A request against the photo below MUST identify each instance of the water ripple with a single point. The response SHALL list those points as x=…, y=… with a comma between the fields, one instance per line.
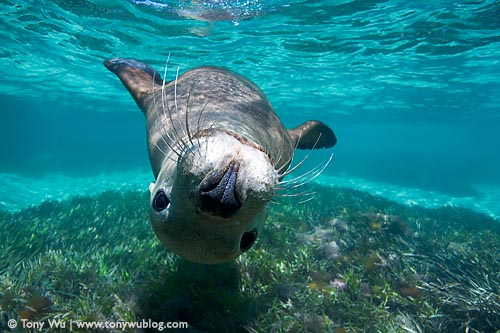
x=310, y=54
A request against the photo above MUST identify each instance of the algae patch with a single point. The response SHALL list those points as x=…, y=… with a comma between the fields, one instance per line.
x=344, y=262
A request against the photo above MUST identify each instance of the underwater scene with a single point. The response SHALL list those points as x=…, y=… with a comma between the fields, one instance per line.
x=395, y=228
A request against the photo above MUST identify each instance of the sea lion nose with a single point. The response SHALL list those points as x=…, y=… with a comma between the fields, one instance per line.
x=220, y=196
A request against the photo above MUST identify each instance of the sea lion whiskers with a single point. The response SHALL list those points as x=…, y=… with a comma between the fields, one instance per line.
x=303, y=179
x=184, y=144
x=180, y=129
x=164, y=134
x=277, y=197
x=288, y=162
x=297, y=181
x=186, y=128
x=294, y=181
x=179, y=146
x=164, y=104
x=187, y=114
x=309, y=196
x=267, y=151
x=209, y=128
x=172, y=144
x=288, y=170
x=180, y=141
x=199, y=123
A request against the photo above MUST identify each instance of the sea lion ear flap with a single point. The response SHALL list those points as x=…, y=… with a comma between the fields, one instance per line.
x=312, y=134
x=139, y=78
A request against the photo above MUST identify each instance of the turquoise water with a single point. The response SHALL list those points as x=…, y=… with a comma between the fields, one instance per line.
x=411, y=89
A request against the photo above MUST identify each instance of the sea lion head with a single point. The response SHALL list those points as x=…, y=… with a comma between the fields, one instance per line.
x=208, y=206
x=218, y=153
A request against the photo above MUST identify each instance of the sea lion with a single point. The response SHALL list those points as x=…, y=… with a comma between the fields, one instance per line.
x=218, y=153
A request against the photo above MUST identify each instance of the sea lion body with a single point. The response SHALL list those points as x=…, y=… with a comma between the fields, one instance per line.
x=217, y=151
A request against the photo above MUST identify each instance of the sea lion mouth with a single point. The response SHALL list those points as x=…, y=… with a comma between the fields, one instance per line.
x=219, y=195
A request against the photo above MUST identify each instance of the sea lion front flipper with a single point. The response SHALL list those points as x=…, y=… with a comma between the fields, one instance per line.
x=139, y=78
x=312, y=134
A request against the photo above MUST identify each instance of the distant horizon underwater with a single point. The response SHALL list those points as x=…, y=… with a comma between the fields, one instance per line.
x=402, y=233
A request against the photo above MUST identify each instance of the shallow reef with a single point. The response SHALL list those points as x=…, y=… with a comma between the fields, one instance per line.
x=343, y=262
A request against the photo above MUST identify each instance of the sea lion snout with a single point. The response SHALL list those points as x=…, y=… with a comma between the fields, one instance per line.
x=219, y=196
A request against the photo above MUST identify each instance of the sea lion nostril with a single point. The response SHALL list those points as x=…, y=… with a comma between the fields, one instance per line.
x=220, y=197
x=247, y=240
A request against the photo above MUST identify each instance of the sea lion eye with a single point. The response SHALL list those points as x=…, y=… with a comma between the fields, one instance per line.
x=160, y=201
x=247, y=240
